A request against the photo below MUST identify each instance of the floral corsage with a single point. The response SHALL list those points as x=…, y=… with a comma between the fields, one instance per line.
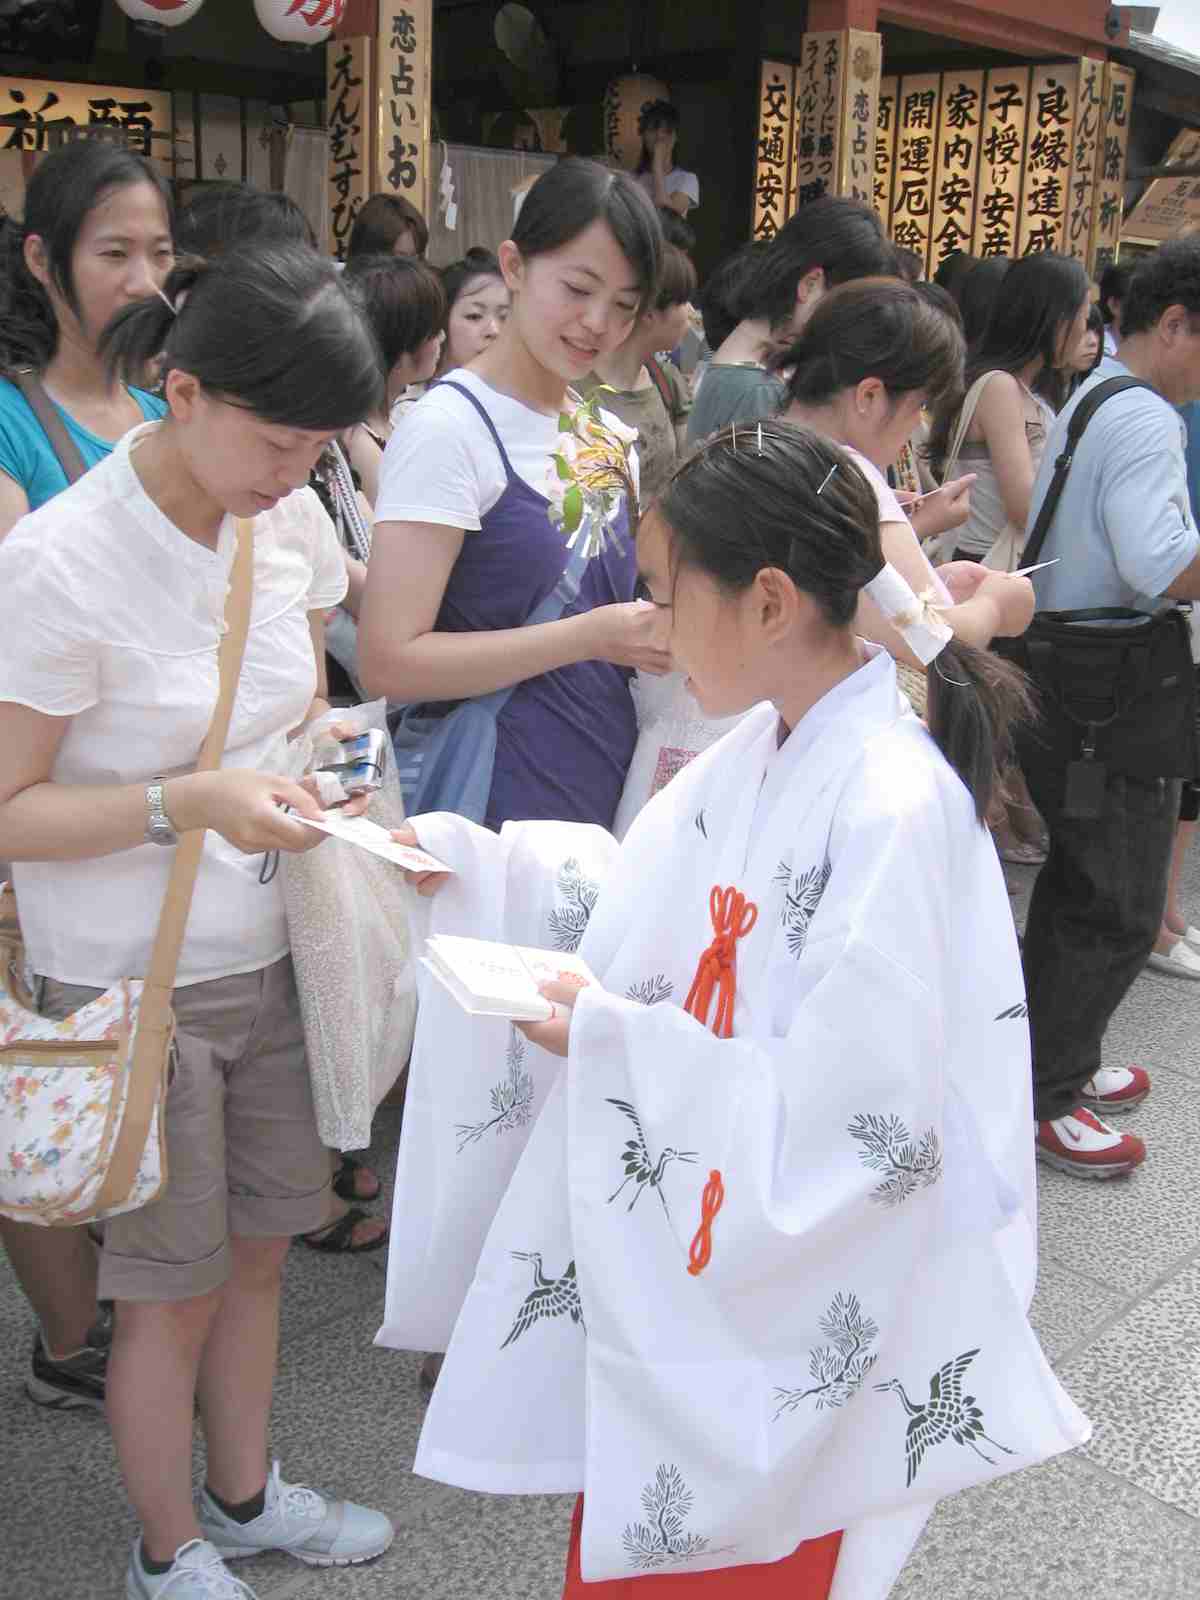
x=590, y=474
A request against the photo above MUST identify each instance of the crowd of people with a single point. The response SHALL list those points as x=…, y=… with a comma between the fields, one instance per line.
x=773, y=642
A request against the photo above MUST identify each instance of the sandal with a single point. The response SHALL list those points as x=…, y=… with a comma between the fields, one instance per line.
x=337, y=1239
x=345, y=1181
x=1022, y=853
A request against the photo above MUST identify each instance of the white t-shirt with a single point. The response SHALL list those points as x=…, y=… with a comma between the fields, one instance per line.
x=677, y=181
x=893, y=516
x=443, y=467
x=112, y=616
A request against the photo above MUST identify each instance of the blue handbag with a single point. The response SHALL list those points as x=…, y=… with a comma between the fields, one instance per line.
x=446, y=763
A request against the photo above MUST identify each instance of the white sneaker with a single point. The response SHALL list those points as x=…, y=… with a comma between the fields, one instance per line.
x=197, y=1573
x=317, y=1531
x=1180, y=960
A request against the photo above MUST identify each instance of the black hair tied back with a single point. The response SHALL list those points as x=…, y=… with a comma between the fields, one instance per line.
x=271, y=328
x=777, y=495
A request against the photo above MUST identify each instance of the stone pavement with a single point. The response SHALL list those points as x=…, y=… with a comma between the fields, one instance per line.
x=1118, y=1309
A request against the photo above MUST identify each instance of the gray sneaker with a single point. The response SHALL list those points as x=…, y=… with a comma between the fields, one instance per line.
x=197, y=1573
x=317, y=1531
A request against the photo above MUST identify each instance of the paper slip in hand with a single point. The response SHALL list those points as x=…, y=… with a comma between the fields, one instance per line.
x=362, y=831
x=1023, y=572
x=500, y=980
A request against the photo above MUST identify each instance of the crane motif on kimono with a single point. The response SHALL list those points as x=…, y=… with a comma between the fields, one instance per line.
x=549, y=1297
x=639, y=1167
x=947, y=1414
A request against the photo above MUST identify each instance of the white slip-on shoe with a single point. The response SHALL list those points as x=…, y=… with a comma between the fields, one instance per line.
x=1180, y=960
x=197, y=1573
x=317, y=1531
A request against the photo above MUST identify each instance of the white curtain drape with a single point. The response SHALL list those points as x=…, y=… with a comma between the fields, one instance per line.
x=305, y=177
x=483, y=191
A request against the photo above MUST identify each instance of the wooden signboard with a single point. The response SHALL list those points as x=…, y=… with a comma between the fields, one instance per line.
x=819, y=80
x=773, y=155
x=1111, y=152
x=916, y=162
x=1169, y=204
x=956, y=185
x=404, y=56
x=31, y=108
x=1051, y=127
x=1088, y=109
x=1001, y=159
x=885, y=146
x=347, y=101
x=860, y=112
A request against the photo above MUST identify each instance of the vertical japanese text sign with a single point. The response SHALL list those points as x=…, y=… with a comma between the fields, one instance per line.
x=1088, y=112
x=819, y=79
x=856, y=170
x=772, y=161
x=1108, y=205
x=916, y=161
x=885, y=148
x=1052, y=96
x=347, y=102
x=959, y=138
x=1005, y=112
x=404, y=60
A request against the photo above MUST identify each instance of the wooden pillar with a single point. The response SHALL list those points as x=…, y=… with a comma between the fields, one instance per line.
x=829, y=16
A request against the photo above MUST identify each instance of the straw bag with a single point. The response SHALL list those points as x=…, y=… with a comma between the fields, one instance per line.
x=81, y=1101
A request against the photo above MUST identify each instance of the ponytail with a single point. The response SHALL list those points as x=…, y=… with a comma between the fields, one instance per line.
x=28, y=329
x=140, y=331
x=975, y=701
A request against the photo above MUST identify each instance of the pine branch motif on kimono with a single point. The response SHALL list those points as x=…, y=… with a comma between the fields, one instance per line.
x=549, y=1297
x=651, y=990
x=512, y=1099
x=801, y=897
x=947, y=1414
x=661, y=1539
x=889, y=1147
x=839, y=1368
x=1014, y=1013
x=639, y=1168
x=569, y=920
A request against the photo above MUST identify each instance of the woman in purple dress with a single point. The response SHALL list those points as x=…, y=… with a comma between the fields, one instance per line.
x=464, y=550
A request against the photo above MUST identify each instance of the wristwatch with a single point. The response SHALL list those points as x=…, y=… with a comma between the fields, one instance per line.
x=159, y=827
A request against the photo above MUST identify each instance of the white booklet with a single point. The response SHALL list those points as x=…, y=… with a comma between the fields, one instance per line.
x=500, y=980
x=370, y=836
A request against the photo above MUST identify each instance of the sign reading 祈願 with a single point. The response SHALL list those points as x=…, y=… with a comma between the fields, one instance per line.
x=404, y=68
x=34, y=114
x=347, y=98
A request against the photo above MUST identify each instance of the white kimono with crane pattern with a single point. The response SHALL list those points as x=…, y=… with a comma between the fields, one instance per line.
x=857, y=1345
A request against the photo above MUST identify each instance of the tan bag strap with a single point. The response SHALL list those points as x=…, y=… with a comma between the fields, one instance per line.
x=965, y=418
x=156, y=1022
x=43, y=408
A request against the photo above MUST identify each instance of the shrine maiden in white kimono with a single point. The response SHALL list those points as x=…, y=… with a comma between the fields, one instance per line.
x=741, y=1291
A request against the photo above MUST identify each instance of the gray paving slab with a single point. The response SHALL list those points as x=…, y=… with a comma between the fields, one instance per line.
x=1068, y=1308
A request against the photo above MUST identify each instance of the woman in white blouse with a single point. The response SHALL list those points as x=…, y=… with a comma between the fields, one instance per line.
x=666, y=184
x=112, y=600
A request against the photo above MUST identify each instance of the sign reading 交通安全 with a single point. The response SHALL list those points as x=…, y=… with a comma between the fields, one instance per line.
x=1001, y=155
x=1051, y=127
x=403, y=55
x=773, y=153
x=1089, y=104
x=860, y=111
x=955, y=187
x=1109, y=201
x=347, y=98
x=916, y=162
x=33, y=113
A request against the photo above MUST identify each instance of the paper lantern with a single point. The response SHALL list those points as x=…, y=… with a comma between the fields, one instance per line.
x=152, y=15
x=299, y=21
x=623, y=102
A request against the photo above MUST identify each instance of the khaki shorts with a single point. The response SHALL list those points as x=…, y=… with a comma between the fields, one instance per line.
x=243, y=1154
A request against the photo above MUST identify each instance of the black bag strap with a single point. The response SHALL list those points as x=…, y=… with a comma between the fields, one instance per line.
x=1080, y=417
x=43, y=408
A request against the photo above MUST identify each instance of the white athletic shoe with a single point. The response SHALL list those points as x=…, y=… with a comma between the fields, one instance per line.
x=317, y=1531
x=197, y=1573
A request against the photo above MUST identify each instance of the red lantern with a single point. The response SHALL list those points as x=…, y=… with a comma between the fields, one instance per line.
x=299, y=21
x=154, y=15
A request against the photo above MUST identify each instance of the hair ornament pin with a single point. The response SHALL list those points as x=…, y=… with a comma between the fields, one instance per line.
x=733, y=436
x=825, y=481
x=166, y=300
x=761, y=451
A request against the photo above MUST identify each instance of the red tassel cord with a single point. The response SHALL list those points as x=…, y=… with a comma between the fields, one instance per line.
x=711, y=1202
x=733, y=916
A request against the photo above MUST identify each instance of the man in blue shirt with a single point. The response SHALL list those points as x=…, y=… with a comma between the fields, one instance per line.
x=1124, y=534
